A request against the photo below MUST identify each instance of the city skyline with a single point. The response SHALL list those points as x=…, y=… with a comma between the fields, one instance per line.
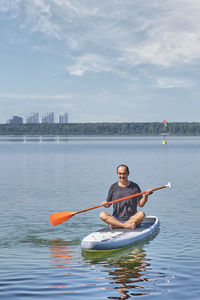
x=36, y=118
x=101, y=61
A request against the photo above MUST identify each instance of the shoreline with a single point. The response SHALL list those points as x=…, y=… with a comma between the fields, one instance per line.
x=102, y=129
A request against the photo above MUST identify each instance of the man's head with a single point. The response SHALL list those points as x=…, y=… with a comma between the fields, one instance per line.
x=124, y=167
x=122, y=173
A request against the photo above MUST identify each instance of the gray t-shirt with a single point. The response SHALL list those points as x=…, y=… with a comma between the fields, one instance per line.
x=126, y=208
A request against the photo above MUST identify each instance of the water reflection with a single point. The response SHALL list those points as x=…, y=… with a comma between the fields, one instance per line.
x=34, y=138
x=60, y=256
x=129, y=272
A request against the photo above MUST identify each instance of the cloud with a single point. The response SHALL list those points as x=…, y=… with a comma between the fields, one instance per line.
x=11, y=7
x=34, y=16
x=16, y=96
x=165, y=51
x=164, y=48
x=169, y=83
x=88, y=63
x=102, y=36
x=40, y=18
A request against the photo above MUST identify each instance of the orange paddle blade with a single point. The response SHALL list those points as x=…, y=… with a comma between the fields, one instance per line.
x=60, y=217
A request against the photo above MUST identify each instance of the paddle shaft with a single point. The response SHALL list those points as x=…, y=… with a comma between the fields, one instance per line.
x=60, y=217
x=117, y=200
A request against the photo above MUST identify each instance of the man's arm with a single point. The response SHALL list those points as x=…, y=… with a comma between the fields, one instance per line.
x=143, y=201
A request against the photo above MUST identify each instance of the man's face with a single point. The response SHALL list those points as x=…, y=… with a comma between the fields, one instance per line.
x=122, y=174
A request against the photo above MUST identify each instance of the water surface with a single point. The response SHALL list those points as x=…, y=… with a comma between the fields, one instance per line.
x=42, y=175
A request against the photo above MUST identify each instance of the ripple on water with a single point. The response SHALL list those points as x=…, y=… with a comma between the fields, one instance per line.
x=129, y=272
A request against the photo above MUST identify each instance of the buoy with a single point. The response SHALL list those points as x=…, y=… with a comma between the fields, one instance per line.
x=165, y=125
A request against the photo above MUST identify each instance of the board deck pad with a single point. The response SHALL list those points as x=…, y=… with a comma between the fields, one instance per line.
x=108, y=239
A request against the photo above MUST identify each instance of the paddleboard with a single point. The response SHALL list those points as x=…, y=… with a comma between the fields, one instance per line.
x=109, y=239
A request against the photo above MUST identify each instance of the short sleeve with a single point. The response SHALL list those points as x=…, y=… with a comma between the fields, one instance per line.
x=110, y=193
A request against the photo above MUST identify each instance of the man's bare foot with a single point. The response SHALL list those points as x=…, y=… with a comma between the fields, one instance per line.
x=114, y=226
x=129, y=225
x=126, y=225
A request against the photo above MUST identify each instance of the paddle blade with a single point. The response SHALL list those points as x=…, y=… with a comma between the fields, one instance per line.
x=60, y=217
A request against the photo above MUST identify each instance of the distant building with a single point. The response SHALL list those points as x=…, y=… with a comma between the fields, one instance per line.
x=63, y=118
x=33, y=119
x=36, y=118
x=15, y=120
x=48, y=118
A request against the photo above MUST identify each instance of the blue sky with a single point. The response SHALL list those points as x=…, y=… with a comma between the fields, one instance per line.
x=101, y=61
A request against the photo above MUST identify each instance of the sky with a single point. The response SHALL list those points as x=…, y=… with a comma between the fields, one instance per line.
x=101, y=61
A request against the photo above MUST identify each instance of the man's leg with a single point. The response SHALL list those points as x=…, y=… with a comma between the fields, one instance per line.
x=136, y=219
x=110, y=220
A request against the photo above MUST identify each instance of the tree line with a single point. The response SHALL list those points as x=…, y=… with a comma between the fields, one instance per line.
x=106, y=128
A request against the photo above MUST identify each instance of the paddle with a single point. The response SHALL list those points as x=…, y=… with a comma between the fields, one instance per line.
x=60, y=217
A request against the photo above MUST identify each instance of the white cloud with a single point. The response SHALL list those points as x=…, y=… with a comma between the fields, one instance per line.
x=39, y=18
x=34, y=96
x=11, y=6
x=89, y=62
x=172, y=36
x=165, y=51
x=127, y=34
x=169, y=83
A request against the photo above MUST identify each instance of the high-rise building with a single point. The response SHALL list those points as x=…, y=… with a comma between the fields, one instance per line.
x=36, y=118
x=63, y=118
x=48, y=118
x=15, y=120
x=33, y=118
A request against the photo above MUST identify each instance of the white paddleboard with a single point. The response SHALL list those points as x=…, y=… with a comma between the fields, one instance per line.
x=109, y=239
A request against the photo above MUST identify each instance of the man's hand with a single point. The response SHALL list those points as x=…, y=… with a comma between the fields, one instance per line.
x=106, y=204
x=149, y=192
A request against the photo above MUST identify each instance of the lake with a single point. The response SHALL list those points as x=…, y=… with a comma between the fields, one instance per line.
x=43, y=175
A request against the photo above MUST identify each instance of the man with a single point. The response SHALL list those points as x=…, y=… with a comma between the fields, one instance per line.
x=125, y=213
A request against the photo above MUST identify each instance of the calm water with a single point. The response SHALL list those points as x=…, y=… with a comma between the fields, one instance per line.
x=40, y=176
